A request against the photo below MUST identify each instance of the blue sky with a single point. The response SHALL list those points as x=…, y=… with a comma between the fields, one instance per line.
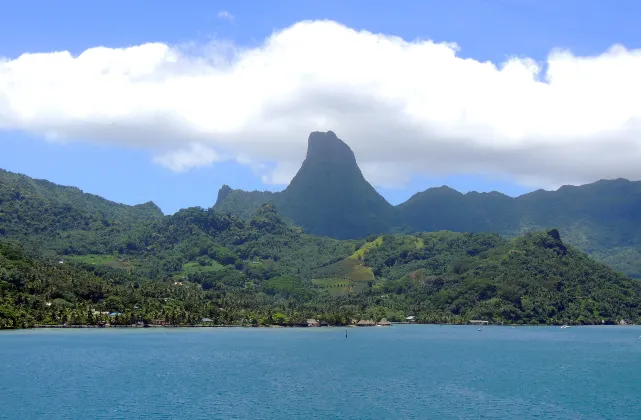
x=485, y=30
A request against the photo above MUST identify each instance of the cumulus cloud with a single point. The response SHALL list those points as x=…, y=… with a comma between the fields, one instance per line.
x=193, y=156
x=405, y=107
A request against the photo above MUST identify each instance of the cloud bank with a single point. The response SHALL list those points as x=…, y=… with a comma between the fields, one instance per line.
x=406, y=108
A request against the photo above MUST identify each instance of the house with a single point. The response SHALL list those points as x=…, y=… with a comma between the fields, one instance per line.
x=161, y=322
x=384, y=323
x=410, y=319
x=112, y=314
x=206, y=320
x=313, y=323
x=98, y=313
x=365, y=323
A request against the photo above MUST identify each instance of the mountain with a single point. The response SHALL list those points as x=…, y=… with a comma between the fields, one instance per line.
x=242, y=203
x=330, y=197
x=603, y=218
x=444, y=208
x=32, y=206
x=70, y=257
x=39, y=211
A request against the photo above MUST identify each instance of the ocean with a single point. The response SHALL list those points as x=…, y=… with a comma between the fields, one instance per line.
x=399, y=372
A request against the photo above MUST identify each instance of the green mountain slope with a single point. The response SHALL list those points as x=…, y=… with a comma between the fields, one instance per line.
x=40, y=211
x=242, y=203
x=32, y=206
x=534, y=278
x=603, y=219
x=330, y=197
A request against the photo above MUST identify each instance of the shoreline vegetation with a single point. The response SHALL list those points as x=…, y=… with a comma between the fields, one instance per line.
x=303, y=327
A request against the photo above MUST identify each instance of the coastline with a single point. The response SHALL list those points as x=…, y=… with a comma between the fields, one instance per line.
x=181, y=326
x=303, y=327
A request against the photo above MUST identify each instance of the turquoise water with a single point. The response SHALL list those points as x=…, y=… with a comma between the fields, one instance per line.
x=402, y=372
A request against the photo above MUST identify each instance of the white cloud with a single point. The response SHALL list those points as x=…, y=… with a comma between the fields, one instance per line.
x=224, y=14
x=404, y=107
x=193, y=156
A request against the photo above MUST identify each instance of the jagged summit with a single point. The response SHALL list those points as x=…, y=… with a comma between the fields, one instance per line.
x=329, y=195
x=330, y=191
x=223, y=192
x=328, y=148
x=329, y=161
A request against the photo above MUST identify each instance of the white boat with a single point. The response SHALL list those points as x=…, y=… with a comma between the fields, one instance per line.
x=565, y=326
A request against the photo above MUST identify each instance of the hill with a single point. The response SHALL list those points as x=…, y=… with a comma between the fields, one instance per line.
x=39, y=212
x=330, y=197
x=201, y=263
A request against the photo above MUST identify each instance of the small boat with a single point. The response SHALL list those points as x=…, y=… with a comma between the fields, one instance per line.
x=565, y=326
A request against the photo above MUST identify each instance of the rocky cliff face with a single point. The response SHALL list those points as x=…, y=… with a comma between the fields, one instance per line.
x=329, y=195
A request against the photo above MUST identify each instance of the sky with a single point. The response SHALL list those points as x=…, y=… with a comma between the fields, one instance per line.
x=167, y=101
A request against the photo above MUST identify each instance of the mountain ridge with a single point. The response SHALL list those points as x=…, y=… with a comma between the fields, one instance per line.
x=52, y=190
x=472, y=192
x=32, y=208
x=601, y=218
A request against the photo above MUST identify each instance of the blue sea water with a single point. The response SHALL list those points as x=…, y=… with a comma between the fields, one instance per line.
x=402, y=372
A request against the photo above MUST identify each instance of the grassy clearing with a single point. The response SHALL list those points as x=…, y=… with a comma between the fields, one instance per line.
x=194, y=267
x=100, y=259
x=360, y=253
x=348, y=269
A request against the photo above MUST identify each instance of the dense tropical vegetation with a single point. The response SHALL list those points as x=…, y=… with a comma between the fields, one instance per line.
x=76, y=259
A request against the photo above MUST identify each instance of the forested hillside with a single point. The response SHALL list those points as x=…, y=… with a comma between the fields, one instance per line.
x=201, y=263
x=39, y=209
